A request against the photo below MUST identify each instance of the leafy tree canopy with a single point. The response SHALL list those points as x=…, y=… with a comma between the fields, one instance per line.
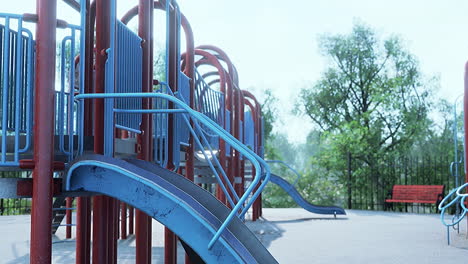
x=371, y=99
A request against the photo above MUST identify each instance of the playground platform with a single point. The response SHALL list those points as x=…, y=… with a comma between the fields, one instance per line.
x=294, y=236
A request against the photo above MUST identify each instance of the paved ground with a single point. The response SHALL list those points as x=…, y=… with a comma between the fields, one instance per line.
x=295, y=236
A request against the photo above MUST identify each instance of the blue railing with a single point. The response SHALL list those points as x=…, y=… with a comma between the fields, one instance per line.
x=261, y=167
x=16, y=80
x=68, y=110
x=457, y=197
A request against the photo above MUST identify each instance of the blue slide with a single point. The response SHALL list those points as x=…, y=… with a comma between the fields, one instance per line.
x=192, y=213
x=316, y=209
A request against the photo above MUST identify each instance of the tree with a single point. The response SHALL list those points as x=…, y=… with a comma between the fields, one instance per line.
x=371, y=97
x=370, y=101
x=269, y=114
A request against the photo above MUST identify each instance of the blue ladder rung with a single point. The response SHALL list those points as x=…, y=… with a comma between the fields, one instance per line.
x=63, y=208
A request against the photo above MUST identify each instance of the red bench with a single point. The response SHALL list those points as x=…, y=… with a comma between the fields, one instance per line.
x=426, y=194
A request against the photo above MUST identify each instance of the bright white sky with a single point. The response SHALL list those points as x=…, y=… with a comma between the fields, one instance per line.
x=274, y=43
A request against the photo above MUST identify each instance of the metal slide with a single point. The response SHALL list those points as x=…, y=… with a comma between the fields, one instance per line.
x=192, y=213
x=316, y=209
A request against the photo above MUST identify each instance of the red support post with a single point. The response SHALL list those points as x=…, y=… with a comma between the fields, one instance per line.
x=123, y=220
x=100, y=203
x=130, y=220
x=68, y=215
x=83, y=204
x=173, y=76
x=83, y=218
x=170, y=247
x=143, y=221
x=41, y=214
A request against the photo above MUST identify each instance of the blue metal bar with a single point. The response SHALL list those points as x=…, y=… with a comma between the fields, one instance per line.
x=128, y=129
x=210, y=164
x=9, y=15
x=19, y=71
x=6, y=48
x=150, y=111
x=61, y=121
x=249, y=154
x=80, y=117
x=71, y=116
x=29, y=93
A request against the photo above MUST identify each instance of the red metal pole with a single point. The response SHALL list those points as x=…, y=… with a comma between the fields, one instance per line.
x=100, y=203
x=143, y=221
x=41, y=214
x=111, y=219
x=123, y=220
x=173, y=75
x=83, y=204
x=130, y=220
x=83, y=230
x=170, y=247
x=68, y=215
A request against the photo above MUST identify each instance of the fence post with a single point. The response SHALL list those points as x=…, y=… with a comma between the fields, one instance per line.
x=349, y=181
x=406, y=178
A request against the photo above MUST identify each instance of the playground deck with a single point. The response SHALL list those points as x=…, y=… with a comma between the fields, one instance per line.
x=294, y=236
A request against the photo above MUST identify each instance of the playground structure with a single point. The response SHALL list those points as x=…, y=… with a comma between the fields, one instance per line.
x=109, y=104
x=121, y=143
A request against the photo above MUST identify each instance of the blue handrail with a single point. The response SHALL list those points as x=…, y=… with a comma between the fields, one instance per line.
x=260, y=165
x=461, y=198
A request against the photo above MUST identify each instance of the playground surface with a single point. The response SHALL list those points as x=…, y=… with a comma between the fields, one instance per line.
x=293, y=236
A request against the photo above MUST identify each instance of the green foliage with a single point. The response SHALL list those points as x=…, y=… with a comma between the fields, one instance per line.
x=269, y=113
x=371, y=97
x=370, y=101
x=159, y=64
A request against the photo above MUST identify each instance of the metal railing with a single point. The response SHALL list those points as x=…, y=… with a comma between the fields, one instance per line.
x=16, y=80
x=459, y=201
x=68, y=125
x=261, y=167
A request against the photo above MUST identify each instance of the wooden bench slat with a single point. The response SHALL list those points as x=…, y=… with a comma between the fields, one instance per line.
x=416, y=194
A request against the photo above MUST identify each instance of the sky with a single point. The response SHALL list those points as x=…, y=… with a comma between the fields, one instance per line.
x=274, y=43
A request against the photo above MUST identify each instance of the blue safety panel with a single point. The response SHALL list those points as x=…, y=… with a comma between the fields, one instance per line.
x=190, y=212
x=316, y=209
x=211, y=103
x=262, y=143
x=16, y=89
x=208, y=101
x=128, y=75
x=249, y=130
x=10, y=56
x=181, y=129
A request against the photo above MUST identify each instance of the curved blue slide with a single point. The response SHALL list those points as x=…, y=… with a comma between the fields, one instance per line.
x=316, y=209
x=192, y=213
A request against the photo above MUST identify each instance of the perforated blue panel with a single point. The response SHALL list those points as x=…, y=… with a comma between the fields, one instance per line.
x=249, y=130
x=181, y=129
x=128, y=74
